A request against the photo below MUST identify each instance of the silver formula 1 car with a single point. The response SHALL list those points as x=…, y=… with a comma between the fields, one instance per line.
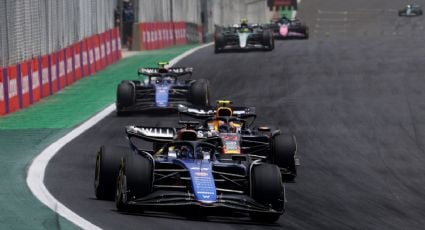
x=410, y=10
x=243, y=37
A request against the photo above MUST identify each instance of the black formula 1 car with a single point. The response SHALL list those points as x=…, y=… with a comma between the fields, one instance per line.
x=187, y=172
x=410, y=10
x=161, y=88
x=243, y=37
x=285, y=28
x=230, y=128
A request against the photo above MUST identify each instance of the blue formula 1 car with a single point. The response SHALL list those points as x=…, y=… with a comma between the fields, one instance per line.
x=161, y=89
x=188, y=172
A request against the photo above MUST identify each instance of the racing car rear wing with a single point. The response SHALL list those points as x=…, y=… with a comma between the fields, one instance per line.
x=175, y=71
x=151, y=134
x=206, y=112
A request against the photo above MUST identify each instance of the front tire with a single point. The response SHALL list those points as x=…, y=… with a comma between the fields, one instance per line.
x=267, y=189
x=125, y=96
x=199, y=94
x=283, y=153
x=268, y=40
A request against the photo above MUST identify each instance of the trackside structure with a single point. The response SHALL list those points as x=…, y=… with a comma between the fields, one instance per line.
x=48, y=45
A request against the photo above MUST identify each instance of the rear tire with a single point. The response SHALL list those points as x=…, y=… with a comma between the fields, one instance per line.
x=283, y=152
x=199, y=93
x=134, y=180
x=267, y=189
x=216, y=49
x=125, y=96
x=219, y=43
x=106, y=172
x=306, y=33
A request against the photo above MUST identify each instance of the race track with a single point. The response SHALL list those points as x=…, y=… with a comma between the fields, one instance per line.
x=353, y=95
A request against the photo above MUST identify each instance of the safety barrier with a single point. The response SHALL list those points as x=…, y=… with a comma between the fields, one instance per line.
x=35, y=85
x=24, y=84
x=2, y=92
x=12, y=89
x=159, y=35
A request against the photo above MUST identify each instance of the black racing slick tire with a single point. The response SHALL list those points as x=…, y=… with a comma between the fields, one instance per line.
x=284, y=148
x=219, y=43
x=199, y=93
x=268, y=40
x=267, y=189
x=108, y=161
x=306, y=33
x=134, y=180
x=126, y=96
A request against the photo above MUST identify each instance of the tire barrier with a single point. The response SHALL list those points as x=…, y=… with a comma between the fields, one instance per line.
x=159, y=35
x=27, y=82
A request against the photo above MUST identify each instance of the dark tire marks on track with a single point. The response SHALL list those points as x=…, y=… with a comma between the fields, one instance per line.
x=355, y=101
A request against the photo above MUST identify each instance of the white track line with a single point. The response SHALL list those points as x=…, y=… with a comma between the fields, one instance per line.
x=37, y=169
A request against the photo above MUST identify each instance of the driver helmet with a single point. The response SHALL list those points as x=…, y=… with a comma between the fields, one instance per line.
x=223, y=110
x=244, y=22
x=162, y=68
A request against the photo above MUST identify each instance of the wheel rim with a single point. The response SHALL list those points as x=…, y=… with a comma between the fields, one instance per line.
x=97, y=172
x=120, y=195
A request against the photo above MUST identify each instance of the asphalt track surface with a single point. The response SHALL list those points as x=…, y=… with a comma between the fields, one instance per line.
x=353, y=95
